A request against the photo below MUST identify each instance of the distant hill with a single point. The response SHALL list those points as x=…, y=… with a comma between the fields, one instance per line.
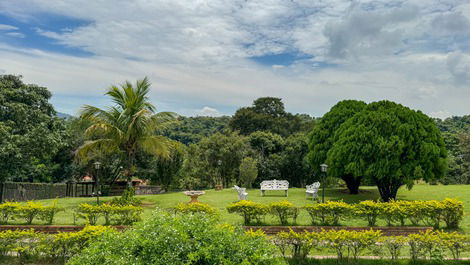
x=64, y=115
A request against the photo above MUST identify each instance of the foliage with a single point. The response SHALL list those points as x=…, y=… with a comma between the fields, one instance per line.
x=268, y=114
x=126, y=128
x=191, y=130
x=118, y=214
x=193, y=208
x=25, y=243
x=425, y=244
x=452, y=212
x=321, y=139
x=47, y=213
x=127, y=198
x=30, y=134
x=284, y=210
x=248, y=171
x=328, y=213
x=389, y=144
x=180, y=239
x=202, y=163
x=369, y=209
x=249, y=210
x=394, y=245
x=298, y=245
x=7, y=211
x=66, y=245
x=29, y=211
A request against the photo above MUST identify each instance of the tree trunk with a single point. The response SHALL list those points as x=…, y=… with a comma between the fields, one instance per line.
x=352, y=183
x=388, y=191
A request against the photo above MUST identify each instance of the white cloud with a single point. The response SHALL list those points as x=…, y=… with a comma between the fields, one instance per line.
x=441, y=114
x=7, y=27
x=15, y=34
x=210, y=112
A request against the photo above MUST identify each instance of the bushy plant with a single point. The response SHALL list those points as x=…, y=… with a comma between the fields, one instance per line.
x=25, y=243
x=249, y=210
x=425, y=244
x=456, y=243
x=65, y=245
x=452, y=212
x=394, y=212
x=394, y=245
x=89, y=212
x=284, y=210
x=29, y=211
x=178, y=239
x=127, y=214
x=197, y=207
x=47, y=213
x=328, y=213
x=7, y=211
x=371, y=210
x=298, y=245
x=127, y=198
x=118, y=214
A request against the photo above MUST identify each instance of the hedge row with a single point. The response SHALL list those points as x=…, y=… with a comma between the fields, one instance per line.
x=30, y=244
x=28, y=212
x=112, y=214
x=433, y=213
x=346, y=244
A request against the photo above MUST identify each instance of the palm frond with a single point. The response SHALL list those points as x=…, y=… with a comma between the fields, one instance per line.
x=91, y=148
x=156, y=145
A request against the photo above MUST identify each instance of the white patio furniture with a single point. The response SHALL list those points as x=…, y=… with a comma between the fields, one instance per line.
x=242, y=194
x=274, y=185
x=312, y=190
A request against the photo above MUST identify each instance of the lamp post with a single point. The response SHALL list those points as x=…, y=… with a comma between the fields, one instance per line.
x=324, y=168
x=97, y=182
x=219, y=185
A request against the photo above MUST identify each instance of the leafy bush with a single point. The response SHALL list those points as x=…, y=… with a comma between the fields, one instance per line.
x=47, y=213
x=7, y=211
x=328, y=213
x=425, y=244
x=394, y=212
x=118, y=214
x=25, y=243
x=65, y=245
x=249, y=210
x=456, y=243
x=196, y=207
x=29, y=211
x=298, y=245
x=452, y=212
x=369, y=209
x=178, y=239
x=127, y=198
x=284, y=210
x=394, y=245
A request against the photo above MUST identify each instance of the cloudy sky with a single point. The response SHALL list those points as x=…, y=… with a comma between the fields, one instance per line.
x=211, y=57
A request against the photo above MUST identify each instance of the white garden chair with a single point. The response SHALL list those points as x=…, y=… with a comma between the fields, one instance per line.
x=242, y=194
x=312, y=190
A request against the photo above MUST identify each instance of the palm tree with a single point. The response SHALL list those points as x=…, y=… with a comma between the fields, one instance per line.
x=126, y=128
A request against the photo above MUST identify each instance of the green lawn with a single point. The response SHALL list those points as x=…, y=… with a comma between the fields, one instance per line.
x=220, y=199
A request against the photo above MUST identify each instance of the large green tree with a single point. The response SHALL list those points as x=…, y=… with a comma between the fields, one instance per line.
x=321, y=139
x=268, y=114
x=391, y=145
x=30, y=133
x=125, y=128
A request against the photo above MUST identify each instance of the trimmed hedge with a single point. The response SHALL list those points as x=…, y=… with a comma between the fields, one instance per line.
x=112, y=214
x=332, y=213
x=28, y=212
x=350, y=244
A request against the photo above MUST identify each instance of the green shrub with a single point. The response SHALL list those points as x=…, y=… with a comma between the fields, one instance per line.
x=29, y=211
x=394, y=212
x=249, y=210
x=25, y=243
x=47, y=213
x=127, y=198
x=7, y=211
x=452, y=212
x=65, y=245
x=456, y=243
x=370, y=210
x=196, y=207
x=178, y=239
x=394, y=245
x=284, y=210
x=425, y=244
x=118, y=214
x=328, y=213
x=298, y=245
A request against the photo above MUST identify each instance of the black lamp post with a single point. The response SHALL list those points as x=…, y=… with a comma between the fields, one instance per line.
x=324, y=168
x=219, y=163
x=97, y=182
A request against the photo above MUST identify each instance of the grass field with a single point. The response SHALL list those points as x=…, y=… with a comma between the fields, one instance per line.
x=220, y=199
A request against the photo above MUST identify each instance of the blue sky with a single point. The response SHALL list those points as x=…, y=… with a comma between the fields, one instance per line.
x=212, y=57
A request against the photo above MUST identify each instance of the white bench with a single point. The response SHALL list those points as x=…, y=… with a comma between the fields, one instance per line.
x=312, y=190
x=242, y=194
x=274, y=185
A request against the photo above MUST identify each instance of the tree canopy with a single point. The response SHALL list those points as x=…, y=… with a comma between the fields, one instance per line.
x=30, y=134
x=322, y=137
x=390, y=144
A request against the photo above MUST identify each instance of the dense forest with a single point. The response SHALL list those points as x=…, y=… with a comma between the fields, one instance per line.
x=261, y=141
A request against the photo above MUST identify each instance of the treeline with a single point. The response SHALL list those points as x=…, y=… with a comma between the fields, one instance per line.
x=261, y=141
